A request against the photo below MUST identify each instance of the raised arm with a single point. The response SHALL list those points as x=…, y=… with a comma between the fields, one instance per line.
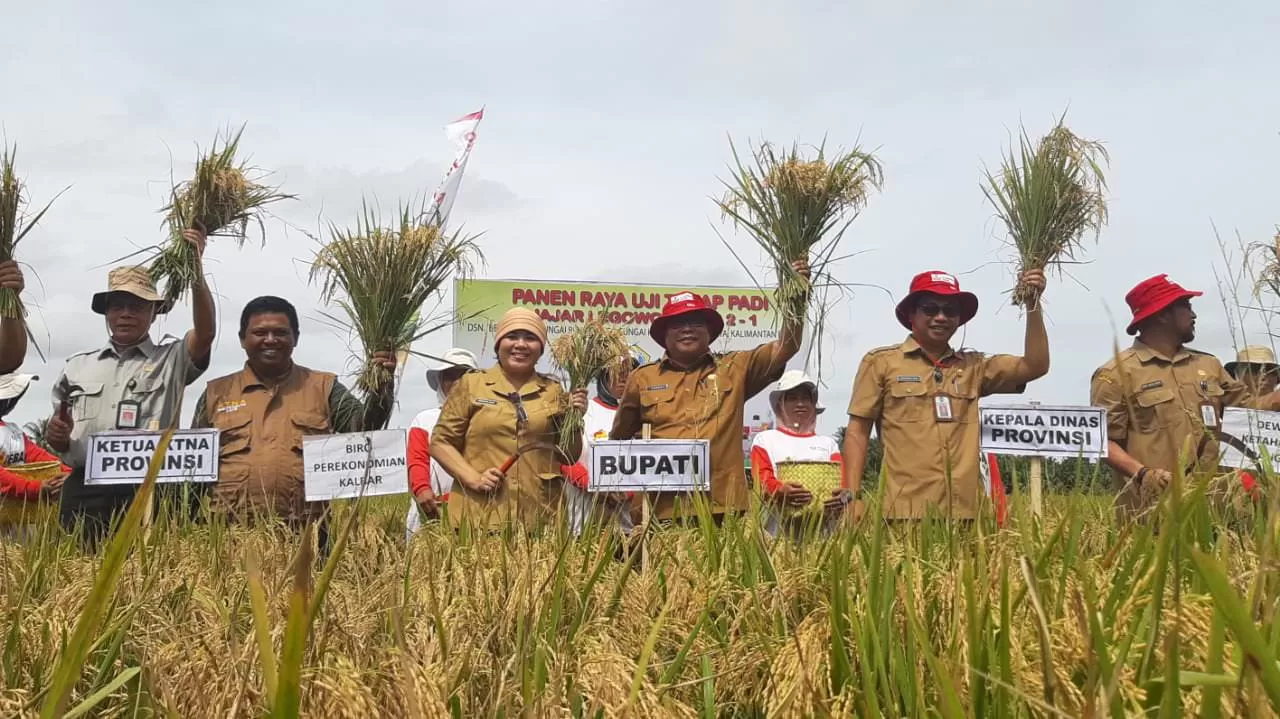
x=13, y=330
x=791, y=335
x=204, y=321
x=1034, y=362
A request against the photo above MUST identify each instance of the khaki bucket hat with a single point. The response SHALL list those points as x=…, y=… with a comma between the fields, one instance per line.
x=135, y=281
x=1254, y=355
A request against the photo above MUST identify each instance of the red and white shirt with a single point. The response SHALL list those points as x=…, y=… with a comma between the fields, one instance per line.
x=774, y=446
x=423, y=470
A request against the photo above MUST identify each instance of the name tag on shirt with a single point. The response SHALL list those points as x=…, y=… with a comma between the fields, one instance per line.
x=1209, y=415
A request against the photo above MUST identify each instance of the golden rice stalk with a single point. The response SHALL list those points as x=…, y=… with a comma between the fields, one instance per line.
x=1269, y=276
x=798, y=208
x=380, y=277
x=1048, y=195
x=15, y=223
x=223, y=197
x=583, y=354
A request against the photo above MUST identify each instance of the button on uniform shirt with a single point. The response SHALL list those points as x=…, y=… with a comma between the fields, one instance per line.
x=260, y=468
x=95, y=383
x=1157, y=407
x=930, y=461
x=704, y=401
x=479, y=421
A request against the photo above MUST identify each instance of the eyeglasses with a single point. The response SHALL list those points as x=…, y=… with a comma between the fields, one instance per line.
x=679, y=323
x=932, y=309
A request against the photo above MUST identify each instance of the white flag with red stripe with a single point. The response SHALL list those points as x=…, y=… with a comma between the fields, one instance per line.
x=462, y=133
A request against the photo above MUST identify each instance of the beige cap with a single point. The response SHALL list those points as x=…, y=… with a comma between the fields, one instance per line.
x=135, y=281
x=521, y=318
x=1253, y=355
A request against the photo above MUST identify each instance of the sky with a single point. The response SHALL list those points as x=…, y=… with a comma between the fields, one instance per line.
x=607, y=129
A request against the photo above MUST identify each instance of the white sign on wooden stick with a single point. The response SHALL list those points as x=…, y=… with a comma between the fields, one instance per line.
x=1044, y=431
x=1247, y=436
x=652, y=465
x=343, y=466
x=124, y=457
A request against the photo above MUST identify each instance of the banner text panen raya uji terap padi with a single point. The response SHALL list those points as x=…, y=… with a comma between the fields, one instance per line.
x=749, y=318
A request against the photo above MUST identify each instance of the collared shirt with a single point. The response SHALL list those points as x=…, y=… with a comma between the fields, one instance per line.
x=1157, y=407
x=479, y=421
x=95, y=382
x=260, y=457
x=704, y=401
x=930, y=460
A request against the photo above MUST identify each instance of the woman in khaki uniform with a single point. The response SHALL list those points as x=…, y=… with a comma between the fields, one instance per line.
x=503, y=412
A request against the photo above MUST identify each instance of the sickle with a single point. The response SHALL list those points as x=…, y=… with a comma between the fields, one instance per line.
x=520, y=451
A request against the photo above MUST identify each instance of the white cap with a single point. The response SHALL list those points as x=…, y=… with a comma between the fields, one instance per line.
x=13, y=386
x=455, y=357
x=791, y=379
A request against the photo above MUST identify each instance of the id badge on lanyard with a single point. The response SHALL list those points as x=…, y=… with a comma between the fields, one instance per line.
x=127, y=414
x=1209, y=415
x=942, y=408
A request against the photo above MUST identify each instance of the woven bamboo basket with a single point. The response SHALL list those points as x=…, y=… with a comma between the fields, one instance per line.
x=820, y=478
x=17, y=511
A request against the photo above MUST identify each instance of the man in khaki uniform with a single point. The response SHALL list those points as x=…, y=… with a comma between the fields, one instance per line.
x=694, y=394
x=131, y=383
x=265, y=409
x=923, y=397
x=1163, y=400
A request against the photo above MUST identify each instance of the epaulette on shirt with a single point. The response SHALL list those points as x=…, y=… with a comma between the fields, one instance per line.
x=886, y=348
x=82, y=354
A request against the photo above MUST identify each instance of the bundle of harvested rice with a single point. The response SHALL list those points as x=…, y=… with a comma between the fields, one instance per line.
x=582, y=355
x=382, y=276
x=14, y=225
x=798, y=209
x=1269, y=275
x=1049, y=195
x=222, y=199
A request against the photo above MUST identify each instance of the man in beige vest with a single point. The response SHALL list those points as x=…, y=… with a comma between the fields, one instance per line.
x=265, y=409
x=131, y=383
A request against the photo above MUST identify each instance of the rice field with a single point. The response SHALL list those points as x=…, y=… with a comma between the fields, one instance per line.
x=1069, y=616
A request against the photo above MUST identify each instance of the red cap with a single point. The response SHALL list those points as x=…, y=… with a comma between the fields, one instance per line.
x=1151, y=296
x=684, y=303
x=943, y=284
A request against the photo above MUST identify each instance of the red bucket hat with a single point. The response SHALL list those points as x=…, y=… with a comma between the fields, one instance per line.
x=684, y=303
x=1152, y=295
x=943, y=284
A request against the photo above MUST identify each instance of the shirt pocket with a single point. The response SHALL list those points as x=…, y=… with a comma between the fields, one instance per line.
x=306, y=424
x=964, y=400
x=658, y=406
x=234, y=432
x=86, y=401
x=906, y=402
x=1152, y=408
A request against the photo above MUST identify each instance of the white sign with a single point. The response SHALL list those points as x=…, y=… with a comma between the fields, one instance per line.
x=1246, y=434
x=124, y=456
x=342, y=466
x=655, y=465
x=1043, y=431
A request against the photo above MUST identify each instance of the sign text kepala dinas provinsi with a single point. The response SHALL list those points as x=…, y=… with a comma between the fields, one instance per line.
x=654, y=465
x=1043, y=431
x=342, y=466
x=124, y=456
x=1247, y=435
